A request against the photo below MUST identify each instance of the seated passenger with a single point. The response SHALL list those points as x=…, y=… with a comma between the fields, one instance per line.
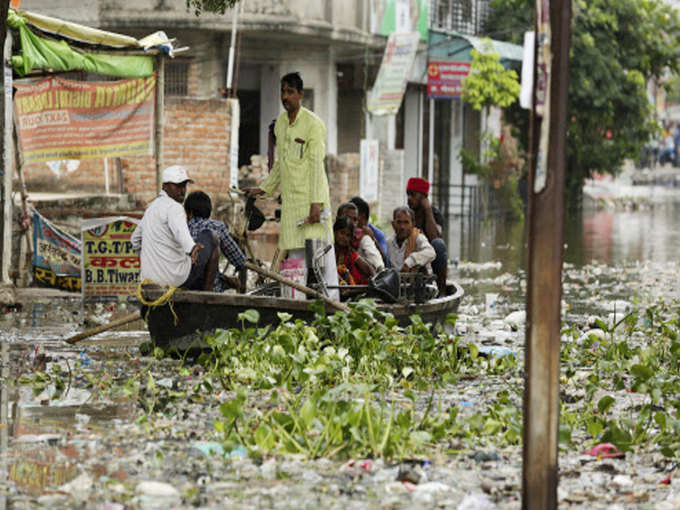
x=168, y=255
x=366, y=246
x=408, y=250
x=198, y=208
x=374, y=232
x=352, y=269
x=430, y=221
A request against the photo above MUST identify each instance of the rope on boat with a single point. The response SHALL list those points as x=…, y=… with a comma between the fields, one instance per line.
x=164, y=299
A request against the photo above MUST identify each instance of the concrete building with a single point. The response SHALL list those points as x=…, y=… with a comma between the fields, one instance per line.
x=337, y=45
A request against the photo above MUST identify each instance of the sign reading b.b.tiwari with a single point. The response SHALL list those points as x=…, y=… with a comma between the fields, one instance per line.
x=110, y=269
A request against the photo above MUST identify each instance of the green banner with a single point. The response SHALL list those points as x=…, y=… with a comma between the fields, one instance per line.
x=390, y=16
x=40, y=53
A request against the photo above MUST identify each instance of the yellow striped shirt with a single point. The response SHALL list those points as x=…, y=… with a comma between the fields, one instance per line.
x=299, y=171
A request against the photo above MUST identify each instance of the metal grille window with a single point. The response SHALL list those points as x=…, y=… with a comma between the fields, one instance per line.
x=176, y=78
x=463, y=16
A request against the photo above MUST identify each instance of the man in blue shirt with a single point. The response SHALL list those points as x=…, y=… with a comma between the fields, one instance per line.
x=374, y=232
x=198, y=208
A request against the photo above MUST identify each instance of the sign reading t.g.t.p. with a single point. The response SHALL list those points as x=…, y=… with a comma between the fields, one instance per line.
x=110, y=267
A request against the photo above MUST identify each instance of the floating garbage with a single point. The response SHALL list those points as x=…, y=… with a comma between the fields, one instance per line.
x=495, y=350
x=476, y=502
x=491, y=302
x=605, y=451
x=516, y=319
x=209, y=449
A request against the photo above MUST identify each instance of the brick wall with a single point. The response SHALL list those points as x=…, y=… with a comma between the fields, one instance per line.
x=196, y=135
x=343, y=177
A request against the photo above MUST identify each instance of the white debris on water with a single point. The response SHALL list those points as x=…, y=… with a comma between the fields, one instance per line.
x=137, y=461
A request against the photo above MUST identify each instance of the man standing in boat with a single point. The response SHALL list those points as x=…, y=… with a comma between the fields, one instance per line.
x=168, y=254
x=299, y=171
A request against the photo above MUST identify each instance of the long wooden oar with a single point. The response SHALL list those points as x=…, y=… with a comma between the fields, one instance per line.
x=114, y=324
x=302, y=288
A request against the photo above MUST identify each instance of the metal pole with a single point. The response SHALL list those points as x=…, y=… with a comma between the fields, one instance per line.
x=462, y=146
x=230, y=63
x=421, y=101
x=430, y=155
x=160, y=105
x=106, y=175
x=544, y=290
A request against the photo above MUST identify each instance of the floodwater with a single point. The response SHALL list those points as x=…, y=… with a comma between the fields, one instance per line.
x=608, y=236
x=52, y=434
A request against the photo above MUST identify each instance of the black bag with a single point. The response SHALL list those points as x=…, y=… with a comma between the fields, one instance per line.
x=254, y=215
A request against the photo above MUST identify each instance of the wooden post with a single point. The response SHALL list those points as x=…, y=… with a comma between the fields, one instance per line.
x=544, y=288
x=119, y=176
x=6, y=170
x=158, y=126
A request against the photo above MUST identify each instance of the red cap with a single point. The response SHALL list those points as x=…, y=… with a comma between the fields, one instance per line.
x=418, y=184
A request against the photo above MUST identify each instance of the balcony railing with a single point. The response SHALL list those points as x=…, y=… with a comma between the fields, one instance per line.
x=464, y=16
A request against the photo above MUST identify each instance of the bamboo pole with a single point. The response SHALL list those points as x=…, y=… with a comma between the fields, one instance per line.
x=337, y=305
x=104, y=327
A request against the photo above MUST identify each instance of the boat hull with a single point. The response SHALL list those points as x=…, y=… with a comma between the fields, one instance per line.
x=202, y=312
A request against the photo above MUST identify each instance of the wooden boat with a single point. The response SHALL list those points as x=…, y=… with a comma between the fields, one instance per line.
x=202, y=312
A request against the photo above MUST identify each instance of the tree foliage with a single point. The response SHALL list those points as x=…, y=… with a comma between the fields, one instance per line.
x=489, y=83
x=219, y=6
x=617, y=46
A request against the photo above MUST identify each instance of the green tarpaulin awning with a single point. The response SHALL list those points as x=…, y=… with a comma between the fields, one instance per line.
x=41, y=53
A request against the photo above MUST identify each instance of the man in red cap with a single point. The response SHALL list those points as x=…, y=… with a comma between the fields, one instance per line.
x=429, y=221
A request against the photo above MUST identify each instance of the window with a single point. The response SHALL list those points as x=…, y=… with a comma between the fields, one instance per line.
x=177, y=78
x=464, y=16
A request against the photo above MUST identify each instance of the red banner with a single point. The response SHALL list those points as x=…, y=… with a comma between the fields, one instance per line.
x=445, y=79
x=64, y=119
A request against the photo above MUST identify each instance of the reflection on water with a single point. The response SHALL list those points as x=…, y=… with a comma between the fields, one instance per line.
x=605, y=236
x=625, y=236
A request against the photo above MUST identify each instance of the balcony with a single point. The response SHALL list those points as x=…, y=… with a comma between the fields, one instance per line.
x=463, y=16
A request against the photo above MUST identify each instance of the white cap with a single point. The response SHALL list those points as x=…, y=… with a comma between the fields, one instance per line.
x=175, y=174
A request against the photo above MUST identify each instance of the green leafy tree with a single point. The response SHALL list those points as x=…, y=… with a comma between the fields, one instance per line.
x=617, y=46
x=489, y=83
x=219, y=6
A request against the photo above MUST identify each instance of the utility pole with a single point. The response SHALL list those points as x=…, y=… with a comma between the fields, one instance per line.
x=544, y=286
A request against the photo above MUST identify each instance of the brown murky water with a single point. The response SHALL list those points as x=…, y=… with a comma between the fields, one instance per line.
x=52, y=435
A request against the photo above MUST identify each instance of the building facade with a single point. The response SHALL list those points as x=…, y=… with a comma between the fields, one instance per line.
x=336, y=45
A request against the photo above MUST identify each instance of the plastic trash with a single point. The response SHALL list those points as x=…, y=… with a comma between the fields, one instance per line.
x=605, y=451
x=84, y=358
x=208, y=448
x=238, y=453
x=491, y=302
x=495, y=350
x=476, y=502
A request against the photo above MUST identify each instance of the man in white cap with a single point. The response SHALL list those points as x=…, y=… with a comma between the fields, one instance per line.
x=168, y=253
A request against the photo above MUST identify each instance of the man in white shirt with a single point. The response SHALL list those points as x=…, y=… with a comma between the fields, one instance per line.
x=168, y=253
x=408, y=249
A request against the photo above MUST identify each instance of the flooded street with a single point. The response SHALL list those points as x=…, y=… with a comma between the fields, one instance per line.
x=103, y=425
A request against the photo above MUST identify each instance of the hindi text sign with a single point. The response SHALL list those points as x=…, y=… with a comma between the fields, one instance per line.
x=445, y=79
x=56, y=256
x=61, y=119
x=110, y=267
x=388, y=91
x=368, y=183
